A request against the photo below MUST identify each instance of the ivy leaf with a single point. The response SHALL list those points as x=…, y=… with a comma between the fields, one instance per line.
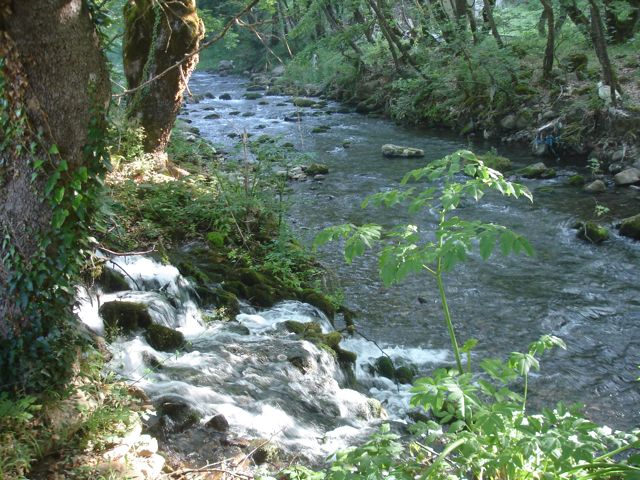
x=53, y=150
x=59, y=216
x=58, y=195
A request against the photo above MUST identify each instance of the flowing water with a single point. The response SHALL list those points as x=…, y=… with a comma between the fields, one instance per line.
x=586, y=294
x=267, y=384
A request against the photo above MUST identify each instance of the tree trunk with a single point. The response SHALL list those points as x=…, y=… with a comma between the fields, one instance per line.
x=487, y=14
x=54, y=86
x=547, y=65
x=600, y=45
x=159, y=34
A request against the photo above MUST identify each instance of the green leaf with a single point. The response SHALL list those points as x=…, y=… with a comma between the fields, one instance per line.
x=487, y=242
x=58, y=195
x=53, y=150
x=59, y=216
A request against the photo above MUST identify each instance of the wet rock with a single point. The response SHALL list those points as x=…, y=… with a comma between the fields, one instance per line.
x=320, y=129
x=164, y=338
x=176, y=414
x=315, y=169
x=256, y=88
x=319, y=178
x=126, y=316
x=616, y=168
x=597, y=186
x=252, y=96
x=151, y=360
x=225, y=65
x=248, y=114
x=225, y=96
x=390, y=150
x=592, y=232
x=212, y=116
x=537, y=170
x=404, y=374
x=630, y=227
x=111, y=281
x=235, y=112
x=627, y=177
x=384, y=367
x=301, y=363
x=296, y=117
x=303, y=102
x=218, y=423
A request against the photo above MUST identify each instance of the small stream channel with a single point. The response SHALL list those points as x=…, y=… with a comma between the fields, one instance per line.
x=586, y=294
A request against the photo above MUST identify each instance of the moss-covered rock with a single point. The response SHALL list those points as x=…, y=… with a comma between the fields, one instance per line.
x=537, y=170
x=320, y=301
x=303, y=102
x=576, y=180
x=225, y=96
x=125, y=316
x=320, y=129
x=591, y=232
x=346, y=356
x=389, y=150
x=252, y=95
x=111, y=281
x=384, y=366
x=497, y=162
x=630, y=227
x=316, y=169
x=577, y=62
x=262, y=296
x=163, y=338
x=404, y=374
x=333, y=340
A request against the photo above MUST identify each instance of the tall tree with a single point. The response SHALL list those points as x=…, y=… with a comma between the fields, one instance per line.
x=159, y=34
x=54, y=88
x=547, y=65
x=600, y=45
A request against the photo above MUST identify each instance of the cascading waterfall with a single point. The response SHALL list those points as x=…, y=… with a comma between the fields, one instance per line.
x=264, y=381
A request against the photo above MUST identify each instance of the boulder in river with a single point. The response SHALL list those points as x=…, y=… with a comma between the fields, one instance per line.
x=597, y=186
x=627, y=177
x=592, y=232
x=225, y=96
x=390, y=150
x=164, y=338
x=126, y=316
x=252, y=95
x=315, y=169
x=630, y=227
x=218, y=423
x=111, y=281
x=537, y=170
x=303, y=102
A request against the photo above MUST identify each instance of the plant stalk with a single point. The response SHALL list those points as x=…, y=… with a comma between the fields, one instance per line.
x=447, y=318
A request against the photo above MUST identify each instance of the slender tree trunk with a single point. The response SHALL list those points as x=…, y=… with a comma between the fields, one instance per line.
x=547, y=65
x=600, y=45
x=620, y=30
x=335, y=23
x=54, y=87
x=361, y=20
x=487, y=13
x=158, y=34
x=386, y=32
x=576, y=15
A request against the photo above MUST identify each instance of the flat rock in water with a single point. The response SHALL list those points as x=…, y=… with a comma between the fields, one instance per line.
x=627, y=177
x=390, y=150
x=630, y=227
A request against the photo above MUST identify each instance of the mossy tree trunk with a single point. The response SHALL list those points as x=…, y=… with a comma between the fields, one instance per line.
x=54, y=88
x=600, y=46
x=159, y=34
x=622, y=26
x=547, y=65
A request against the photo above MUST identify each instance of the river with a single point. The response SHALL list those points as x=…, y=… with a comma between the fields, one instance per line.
x=586, y=294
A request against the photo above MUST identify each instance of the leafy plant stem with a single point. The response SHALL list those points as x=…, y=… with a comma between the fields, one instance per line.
x=447, y=317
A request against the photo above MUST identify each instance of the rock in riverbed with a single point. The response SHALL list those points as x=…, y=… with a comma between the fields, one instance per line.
x=390, y=150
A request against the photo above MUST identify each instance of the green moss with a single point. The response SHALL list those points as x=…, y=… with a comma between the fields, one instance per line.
x=384, y=366
x=295, y=327
x=262, y=296
x=576, y=180
x=630, y=227
x=303, y=102
x=127, y=316
x=320, y=129
x=251, y=277
x=164, y=338
x=346, y=356
x=333, y=339
x=592, y=232
x=252, y=95
x=404, y=374
x=497, y=162
x=316, y=169
x=320, y=301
